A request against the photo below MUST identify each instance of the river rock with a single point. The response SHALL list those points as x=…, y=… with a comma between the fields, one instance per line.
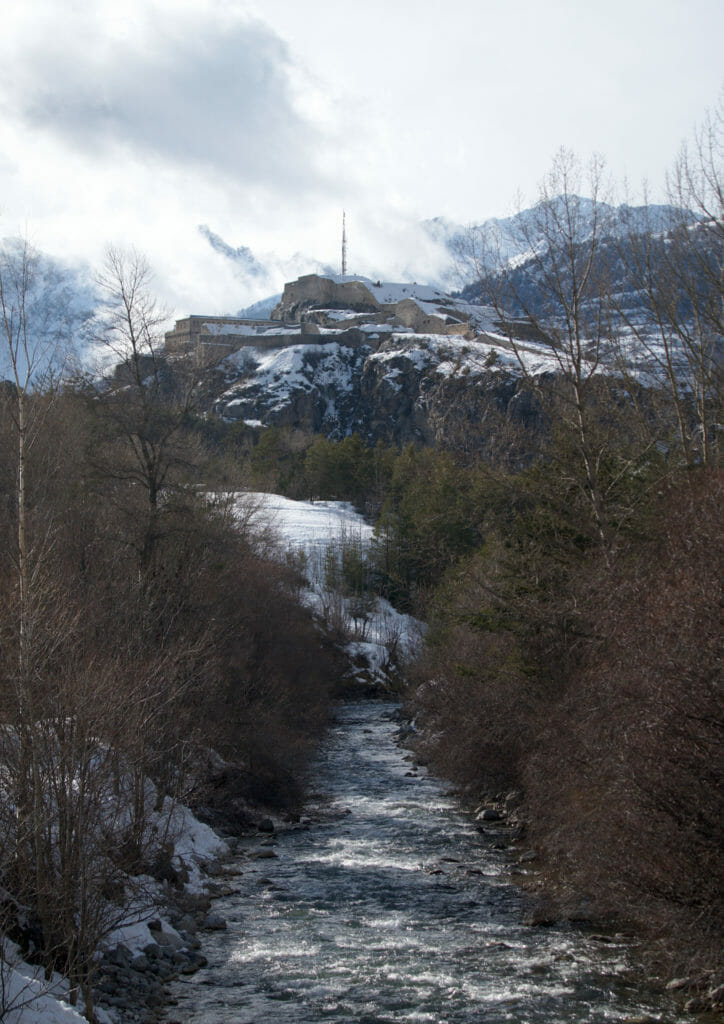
x=191, y=942
x=697, y=1004
x=488, y=814
x=194, y=963
x=541, y=915
x=264, y=853
x=187, y=924
x=133, y=985
x=213, y=868
x=170, y=940
x=679, y=984
x=214, y=923
x=194, y=902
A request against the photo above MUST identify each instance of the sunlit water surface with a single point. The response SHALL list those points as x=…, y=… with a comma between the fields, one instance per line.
x=391, y=907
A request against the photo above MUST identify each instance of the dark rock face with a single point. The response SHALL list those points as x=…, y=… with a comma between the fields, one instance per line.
x=315, y=387
x=404, y=402
x=406, y=391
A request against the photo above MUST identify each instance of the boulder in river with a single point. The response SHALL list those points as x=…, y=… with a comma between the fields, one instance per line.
x=214, y=923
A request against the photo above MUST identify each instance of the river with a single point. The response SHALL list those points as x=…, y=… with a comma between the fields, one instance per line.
x=388, y=905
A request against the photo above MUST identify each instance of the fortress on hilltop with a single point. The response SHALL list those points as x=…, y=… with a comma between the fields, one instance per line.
x=316, y=310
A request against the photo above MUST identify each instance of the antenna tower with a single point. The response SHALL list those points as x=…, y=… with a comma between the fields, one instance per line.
x=344, y=245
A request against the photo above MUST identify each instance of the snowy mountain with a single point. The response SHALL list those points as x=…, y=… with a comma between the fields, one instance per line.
x=441, y=250
x=58, y=301
x=261, y=310
x=242, y=256
x=513, y=239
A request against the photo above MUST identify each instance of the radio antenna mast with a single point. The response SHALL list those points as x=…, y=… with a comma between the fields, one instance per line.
x=344, y=245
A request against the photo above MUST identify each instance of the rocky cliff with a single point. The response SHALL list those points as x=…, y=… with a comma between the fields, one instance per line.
x=399, y=363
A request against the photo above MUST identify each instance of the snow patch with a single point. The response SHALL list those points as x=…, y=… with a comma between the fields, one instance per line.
x=28, y=998
x=316, y=531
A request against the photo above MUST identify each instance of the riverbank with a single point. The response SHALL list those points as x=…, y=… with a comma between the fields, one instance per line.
x=501, y=821
x=134, y=974
x=389, y=904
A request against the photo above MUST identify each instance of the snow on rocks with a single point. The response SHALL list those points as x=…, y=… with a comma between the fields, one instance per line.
x=195, y=844
x=143, y=954
x=145, y=948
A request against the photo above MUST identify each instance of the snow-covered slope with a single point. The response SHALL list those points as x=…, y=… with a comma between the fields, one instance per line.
x=512, y=238
x=379, y=637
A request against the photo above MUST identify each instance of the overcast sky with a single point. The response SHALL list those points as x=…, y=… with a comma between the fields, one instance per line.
x=136, y=122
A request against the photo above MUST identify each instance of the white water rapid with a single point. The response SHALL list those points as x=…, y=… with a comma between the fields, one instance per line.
x=389, y=906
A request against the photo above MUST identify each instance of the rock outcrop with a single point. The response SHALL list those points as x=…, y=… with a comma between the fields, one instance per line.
x=400, y=363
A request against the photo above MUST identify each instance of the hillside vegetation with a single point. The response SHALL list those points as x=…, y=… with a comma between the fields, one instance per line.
x=567, y=557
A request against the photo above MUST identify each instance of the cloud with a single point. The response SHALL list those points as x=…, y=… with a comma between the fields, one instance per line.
x=216, y=91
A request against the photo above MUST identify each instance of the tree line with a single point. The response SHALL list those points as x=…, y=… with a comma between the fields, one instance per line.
x=573, y=668
x=143, y=623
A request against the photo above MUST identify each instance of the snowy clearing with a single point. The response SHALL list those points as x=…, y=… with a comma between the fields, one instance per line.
x=318, y=530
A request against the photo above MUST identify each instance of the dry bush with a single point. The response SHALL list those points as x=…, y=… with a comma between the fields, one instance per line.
x=469, y=711
x=624, y=789
x=274, y=681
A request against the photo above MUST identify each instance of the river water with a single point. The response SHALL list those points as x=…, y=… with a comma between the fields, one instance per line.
x=389, y=906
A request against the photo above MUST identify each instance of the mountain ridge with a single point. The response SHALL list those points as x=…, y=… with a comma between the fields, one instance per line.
x=452, y=246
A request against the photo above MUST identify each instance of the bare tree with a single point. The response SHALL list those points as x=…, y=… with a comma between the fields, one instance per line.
x=676, y=263
x=35, y=618
x=32, y=336
x=557, y=294
x=145, y=402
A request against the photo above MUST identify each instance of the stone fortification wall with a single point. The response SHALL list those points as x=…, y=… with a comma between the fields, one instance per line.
x=311, y=290
x=408, y=312
x=213, y=338
x=302, y=318
x=213, y=332
x=312, y=293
